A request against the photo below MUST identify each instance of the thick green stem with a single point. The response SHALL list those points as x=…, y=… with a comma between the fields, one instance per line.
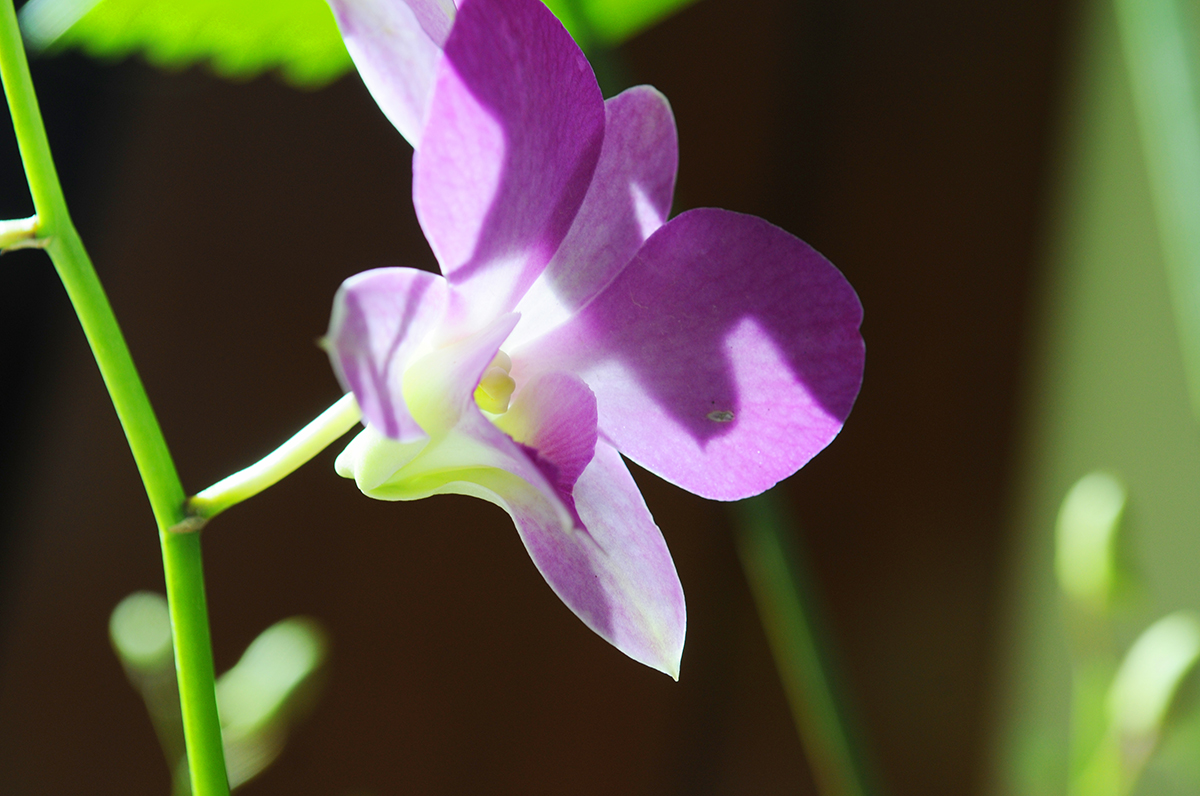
x=181, y=552
x=307, y=443
x=182, y=565
x=779, y=582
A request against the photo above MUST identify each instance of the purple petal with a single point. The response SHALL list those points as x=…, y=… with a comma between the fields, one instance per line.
x=723, y=358
x=436, y=17
x=553, y=418
x=614, y=570
x=379, y=319
x=617, y=576
x=396, y=45
x=629, y=198
x=514, y=130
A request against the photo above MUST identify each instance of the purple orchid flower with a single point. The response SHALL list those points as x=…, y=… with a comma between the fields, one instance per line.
x=572, y=320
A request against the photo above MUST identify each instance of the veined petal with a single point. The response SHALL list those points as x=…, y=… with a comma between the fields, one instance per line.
x=514, y=130
x=723, y=358
x=618, y=576
x=629, y=198
x=396, y=45
x=379, y=321
x=553, y=418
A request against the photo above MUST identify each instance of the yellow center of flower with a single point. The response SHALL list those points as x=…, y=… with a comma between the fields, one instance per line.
x=496, y=386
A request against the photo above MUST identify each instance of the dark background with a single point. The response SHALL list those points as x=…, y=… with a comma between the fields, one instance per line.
x=907, y=141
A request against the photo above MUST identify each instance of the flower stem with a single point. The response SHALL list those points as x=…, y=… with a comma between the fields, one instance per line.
x=19, y=233
x=307, y=442
x=181, y=552
x=779, y=582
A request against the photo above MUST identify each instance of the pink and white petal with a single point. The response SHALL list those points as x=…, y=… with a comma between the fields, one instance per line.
x=616, y=574
x=380, y=317
x=514, y=131
x=723, y=358
x=436, y=17
x=629, y=198
x=396, y=46
x=553, y=418
x=642, y=612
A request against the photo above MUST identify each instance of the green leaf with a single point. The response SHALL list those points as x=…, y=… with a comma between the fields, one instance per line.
x=243, y=38
x=611, y=22
x=239, y=39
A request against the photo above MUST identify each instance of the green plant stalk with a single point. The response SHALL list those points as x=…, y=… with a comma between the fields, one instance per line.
x=779, y=582
x=281, y=462
x=181, y=551
x=1160, y=74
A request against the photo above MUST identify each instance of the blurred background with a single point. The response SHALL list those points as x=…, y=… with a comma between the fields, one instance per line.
x=975, y=171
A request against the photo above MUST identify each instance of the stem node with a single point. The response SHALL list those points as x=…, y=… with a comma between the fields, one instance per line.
x=189, y=524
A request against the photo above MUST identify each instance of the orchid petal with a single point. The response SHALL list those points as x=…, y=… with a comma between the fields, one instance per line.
x=629, y=198
x=396, y=45
x=616, y=573
x=618, y=577
x=379, y=320
x=723, y=358
x=514, y=130
x=608, y=562
x=475, y=458
x=553, y=418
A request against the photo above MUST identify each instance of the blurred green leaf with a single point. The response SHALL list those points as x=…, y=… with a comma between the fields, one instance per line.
x=140, y=631
x=1086, y=539
x=264, y=694
x=1139, y=700
x=610, y=22
x=1150, y=676
x=243, y=39
x=267, y=692
x=239, y=39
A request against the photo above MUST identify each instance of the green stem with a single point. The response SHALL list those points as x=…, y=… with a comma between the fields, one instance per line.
x=307, y=443
x=779, y=581
x=181, y=552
